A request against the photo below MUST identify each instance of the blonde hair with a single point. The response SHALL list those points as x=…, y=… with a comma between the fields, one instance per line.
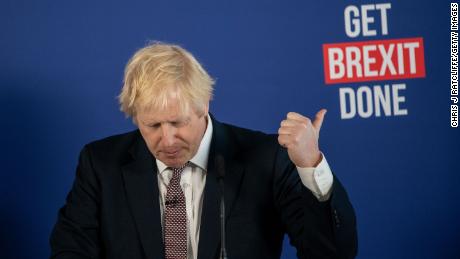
x=159, y=70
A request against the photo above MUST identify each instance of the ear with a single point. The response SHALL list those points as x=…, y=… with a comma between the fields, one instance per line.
x=206, y=109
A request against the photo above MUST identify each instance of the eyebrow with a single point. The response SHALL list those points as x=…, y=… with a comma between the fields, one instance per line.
x=178, y=119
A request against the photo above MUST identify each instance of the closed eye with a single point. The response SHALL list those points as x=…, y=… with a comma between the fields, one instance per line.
x=155, y=125
x=178, y=124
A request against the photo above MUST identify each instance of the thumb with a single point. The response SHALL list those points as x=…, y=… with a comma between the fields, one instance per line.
x=319, y=118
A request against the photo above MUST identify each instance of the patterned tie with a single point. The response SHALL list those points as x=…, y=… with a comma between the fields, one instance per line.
x=175, y=227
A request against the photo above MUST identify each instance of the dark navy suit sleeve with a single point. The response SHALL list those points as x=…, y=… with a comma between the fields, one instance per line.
x=76, y=234
x=317, y=229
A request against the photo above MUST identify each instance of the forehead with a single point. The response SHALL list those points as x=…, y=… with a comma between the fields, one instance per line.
x=173, y=111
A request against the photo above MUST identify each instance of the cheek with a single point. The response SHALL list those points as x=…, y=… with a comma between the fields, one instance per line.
x=182, y=139
x=151, y=139
x=193, y=139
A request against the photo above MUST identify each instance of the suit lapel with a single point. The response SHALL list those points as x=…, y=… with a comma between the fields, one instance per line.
x=223, y=144
x=141, y=185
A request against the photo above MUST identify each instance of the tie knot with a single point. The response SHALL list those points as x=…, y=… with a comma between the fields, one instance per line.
x=180, y=168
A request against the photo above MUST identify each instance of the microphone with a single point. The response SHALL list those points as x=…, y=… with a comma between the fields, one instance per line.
x=220, y=166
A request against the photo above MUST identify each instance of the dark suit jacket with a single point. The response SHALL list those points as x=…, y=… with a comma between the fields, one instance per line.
x=113, y=208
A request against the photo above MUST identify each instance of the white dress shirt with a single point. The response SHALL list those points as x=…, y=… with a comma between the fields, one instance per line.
x=193, y=179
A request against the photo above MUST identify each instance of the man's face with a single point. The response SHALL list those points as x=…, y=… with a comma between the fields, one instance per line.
x=172, y=136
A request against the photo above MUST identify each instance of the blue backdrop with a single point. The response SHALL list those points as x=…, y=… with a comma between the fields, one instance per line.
x=61, y=68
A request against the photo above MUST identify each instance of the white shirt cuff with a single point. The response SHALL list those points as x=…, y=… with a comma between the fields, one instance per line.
x=318, y=179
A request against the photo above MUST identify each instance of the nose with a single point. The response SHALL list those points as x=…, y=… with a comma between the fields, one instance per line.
x=168, y=134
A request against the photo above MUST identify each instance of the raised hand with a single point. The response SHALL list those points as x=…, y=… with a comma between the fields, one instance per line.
x=300, y=136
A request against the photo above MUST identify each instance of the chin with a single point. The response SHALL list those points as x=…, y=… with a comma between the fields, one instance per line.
x=174, y=162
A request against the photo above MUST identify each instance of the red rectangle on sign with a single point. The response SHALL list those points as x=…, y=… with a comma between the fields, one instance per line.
x=373, y=60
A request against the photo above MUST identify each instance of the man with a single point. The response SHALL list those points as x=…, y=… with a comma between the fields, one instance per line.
x=155, y=192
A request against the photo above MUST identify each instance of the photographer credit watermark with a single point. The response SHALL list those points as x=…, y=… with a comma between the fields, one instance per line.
x=454, y=65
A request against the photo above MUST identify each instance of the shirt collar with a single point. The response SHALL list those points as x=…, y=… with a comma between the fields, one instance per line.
x=201, y=157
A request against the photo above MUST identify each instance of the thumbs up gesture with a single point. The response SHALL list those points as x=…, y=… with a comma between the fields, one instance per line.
x=299, y=135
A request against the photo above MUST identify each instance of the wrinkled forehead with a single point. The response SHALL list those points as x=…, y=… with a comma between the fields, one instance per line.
x=173, y=111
